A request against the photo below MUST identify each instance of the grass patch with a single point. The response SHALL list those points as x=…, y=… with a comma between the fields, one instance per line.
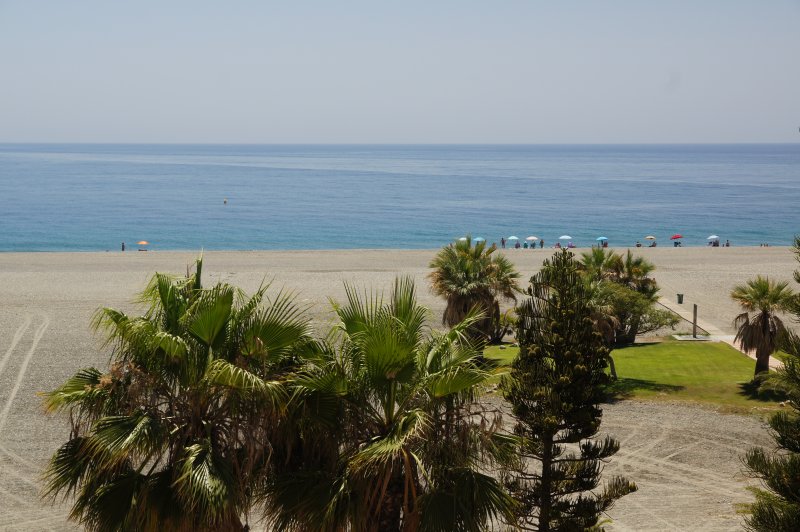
x=703, y=372
x=782, y=356
x=504, y=353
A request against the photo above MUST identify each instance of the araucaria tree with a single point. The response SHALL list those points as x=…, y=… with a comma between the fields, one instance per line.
x=471, y=275
x=759, y=327
x=777, y=505
x=176, y=435
x=555, y=388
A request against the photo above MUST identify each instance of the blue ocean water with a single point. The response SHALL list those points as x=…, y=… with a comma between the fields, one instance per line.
x=93, y=197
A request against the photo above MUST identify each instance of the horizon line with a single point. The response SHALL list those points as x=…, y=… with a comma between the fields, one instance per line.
x=181, y=143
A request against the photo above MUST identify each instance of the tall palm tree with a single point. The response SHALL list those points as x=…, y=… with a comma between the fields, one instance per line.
x=402, y=445
x=175, y=435
x=758, y=327
x=471, y=276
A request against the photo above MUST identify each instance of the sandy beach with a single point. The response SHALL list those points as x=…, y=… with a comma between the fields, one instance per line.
x=48, y=299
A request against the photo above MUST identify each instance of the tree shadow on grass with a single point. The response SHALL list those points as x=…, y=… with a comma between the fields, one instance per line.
x=759, y=391
x=625, y=388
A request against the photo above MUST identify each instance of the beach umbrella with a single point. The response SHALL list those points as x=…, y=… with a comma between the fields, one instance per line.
x=676, y=236
x=565, y=237
x=713, y=237
x=601, y=238
x=462, y=239
x=513, y=238
x=532, y=238
x=480, y=239
x=649, y=237
x=143, y=243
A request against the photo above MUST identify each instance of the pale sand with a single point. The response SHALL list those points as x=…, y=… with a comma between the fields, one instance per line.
x=48, y=299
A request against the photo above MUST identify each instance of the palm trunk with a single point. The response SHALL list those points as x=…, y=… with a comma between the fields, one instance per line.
x=762, y=362
x=389, y=519
x=612, y=367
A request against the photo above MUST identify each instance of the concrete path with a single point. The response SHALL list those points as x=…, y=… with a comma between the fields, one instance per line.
x=714, y=333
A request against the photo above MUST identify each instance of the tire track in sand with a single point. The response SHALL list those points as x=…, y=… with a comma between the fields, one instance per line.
x=22, y=371
x=4, y=413
x=14, y=341
x=32, y=515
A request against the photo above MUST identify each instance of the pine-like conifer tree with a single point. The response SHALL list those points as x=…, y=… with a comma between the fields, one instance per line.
x=555, y=387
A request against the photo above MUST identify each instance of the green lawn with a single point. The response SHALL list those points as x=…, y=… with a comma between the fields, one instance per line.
x=703, y=372
x=780, y=355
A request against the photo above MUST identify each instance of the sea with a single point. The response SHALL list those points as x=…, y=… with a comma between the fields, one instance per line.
x=94, y=197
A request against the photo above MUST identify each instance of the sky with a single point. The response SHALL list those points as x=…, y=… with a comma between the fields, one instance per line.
x=444, y=71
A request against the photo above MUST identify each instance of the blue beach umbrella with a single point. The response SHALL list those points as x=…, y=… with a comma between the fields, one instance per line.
x=601, y=238
x=480, y=239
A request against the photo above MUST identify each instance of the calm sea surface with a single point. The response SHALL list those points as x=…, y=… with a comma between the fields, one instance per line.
x=93, y=197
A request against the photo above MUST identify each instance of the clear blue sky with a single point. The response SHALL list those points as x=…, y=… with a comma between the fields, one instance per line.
x=400, y=72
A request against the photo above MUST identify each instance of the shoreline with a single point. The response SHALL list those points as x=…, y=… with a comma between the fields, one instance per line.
x=577, y=249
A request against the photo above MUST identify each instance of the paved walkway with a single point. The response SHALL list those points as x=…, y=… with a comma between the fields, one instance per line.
x=714, y=333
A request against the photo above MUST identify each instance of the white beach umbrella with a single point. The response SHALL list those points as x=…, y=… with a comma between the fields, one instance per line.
x=480, y=239
x=713, y=237
x=565, y=237
x=462, y=239
x=532, y=238
x=649, y=237
x=513, y=238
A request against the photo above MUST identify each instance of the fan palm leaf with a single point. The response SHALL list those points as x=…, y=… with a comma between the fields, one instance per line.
x=759, y=327
x=471, y=277
x=178, y=433
x=391, y=417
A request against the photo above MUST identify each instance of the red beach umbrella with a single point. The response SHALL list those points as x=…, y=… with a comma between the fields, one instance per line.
x=676, y=237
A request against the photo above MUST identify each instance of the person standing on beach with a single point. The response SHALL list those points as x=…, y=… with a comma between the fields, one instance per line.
x=541, y=244
x=123, y=246
x=503, y=242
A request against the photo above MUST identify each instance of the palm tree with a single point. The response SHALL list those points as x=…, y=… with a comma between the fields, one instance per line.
x=600, y=264
x=602, y=314
x=634, y=272
x=395, y=439
x=178, y=431
x=472, y=276
x=758, y=327
x=625, y=293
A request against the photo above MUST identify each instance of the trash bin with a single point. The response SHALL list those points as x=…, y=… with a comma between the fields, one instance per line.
x=680, y=299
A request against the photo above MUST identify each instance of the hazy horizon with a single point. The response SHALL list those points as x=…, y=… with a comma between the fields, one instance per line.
x=416, y=73
x=388, y=144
